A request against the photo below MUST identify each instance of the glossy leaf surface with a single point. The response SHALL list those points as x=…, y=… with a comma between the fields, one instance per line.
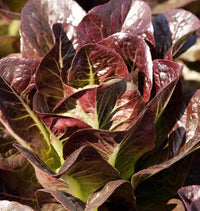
x=94, y=64
x=136, y=55
x=166, y=76
x=181, y=24
x=37, y=20
x=115, y=16
x=12, y=205
x=21, y=78
x=104, y=108
x=190, y=196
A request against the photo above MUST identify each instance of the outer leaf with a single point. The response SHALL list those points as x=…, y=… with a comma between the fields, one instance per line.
x=10, y=206
x=89, y=172
x=136, y=54
x=44, y=174
x=138, y=140
x=68, y=201
x=164, y=72
x=18, y=72
x=138, y=21
x=181, y=24
x=116, y=194
x=166, y=76
x=191, y=197
x=104, y=108
x=22, y=123
x=20, y=184
x=93, y=64
x=48, y=77
x=83, y=172
x=38, y=17
x=10, y=159
x=162, y=35
x=115, y=16
x=183, y=139
x=162, y=186
x=187, y=128
x=120, y=149
x=15, y=173
x=173, y=204
x=60, y=128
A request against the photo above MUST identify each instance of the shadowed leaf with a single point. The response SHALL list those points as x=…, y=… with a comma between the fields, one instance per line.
x=68, y=202
x=117, y=194
x=83, y=172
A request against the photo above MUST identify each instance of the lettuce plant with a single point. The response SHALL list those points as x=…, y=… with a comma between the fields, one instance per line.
x=91, y=110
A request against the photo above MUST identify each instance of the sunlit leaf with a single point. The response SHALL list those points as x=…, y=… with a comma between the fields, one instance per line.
x=37, y=19
x=94, y=64
x=136, y=55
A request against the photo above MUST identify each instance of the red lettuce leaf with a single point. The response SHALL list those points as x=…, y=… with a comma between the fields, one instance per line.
x=67, y=201
x=183, y=139
x=102, y=107
x=12, y=205
x=164, y=72
x=63, y=126
x=155, y=192
x=16, y=174
x=37, y=19
x=22, y=122
x=117, y=15
x=166, y=76
x=190, y=195
x=136, y=55
x=121, y=149
x=93, y=64
x=162, y=35
x=103, y=141
x=21, y=78
x=84, y=166
x=181, y=24
x=48, y=76
x=117, y=195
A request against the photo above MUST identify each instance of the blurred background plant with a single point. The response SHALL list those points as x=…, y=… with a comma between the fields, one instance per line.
x=9, y=26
